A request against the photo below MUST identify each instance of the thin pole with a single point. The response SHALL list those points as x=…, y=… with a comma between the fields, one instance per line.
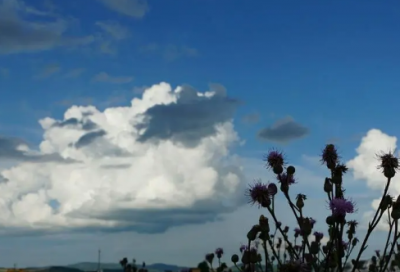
x=98, y=263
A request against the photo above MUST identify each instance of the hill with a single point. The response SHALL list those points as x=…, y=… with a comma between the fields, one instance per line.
x=116, y=267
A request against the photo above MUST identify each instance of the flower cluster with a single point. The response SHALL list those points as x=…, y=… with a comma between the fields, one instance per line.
x=310, y=249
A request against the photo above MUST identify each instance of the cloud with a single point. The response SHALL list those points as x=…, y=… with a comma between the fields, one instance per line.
x=114, y=29
x=113, y=33
x=48, y=71
x=74, y=73
x=104, y=77
x=170, y=52
x=283, y=131
x=18, y=34
x=18, y=150
x=364, y=167
x=131, y=8
x=190, y=118
x=118, y=181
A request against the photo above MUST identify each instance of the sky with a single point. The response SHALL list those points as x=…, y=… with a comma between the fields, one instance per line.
x=136, y=126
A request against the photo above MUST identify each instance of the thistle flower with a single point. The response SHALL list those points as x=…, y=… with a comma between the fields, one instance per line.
x=275, y=160
x=312, y=221
x=258, y=193
x=242, y=248
x=344, y=245
x=219, y=252
x=318, y=236
x=297, y=232
x=209, y=257
x=283, y=178
x=389, y=164
x=330, y=156
x=341, y=207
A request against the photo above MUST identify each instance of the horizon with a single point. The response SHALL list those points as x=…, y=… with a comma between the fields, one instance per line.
x=135, y=126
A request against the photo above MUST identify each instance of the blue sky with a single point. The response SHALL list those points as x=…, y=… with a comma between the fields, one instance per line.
x=288, y=74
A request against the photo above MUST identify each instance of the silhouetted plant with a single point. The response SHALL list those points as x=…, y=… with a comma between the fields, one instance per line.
x=307, y=252
x=128, y=267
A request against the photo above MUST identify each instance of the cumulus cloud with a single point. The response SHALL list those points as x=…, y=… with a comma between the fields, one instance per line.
x=120, y=178
x=19, y=34
x=283, y=131
x=364, y=166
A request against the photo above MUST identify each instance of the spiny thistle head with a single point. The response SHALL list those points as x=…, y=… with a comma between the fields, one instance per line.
x=258, y=193
x=389, y=164
x=275, y=160
x=341, y=207
x=219, y=252
x=330, y=156
x=286, y=179
x=318, y=236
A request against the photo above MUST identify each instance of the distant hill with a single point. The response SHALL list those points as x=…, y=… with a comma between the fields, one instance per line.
x=116, y=267
x=57, y=269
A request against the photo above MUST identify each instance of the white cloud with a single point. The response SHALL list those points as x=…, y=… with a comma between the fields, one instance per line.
x=364, y=167
x=121, y=182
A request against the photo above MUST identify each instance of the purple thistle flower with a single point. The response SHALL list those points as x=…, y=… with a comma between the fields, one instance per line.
x=274, y=158
x=345, y=245
x=243, y=248
x=318, y=236
x=341, y=206
x=297, y=232
x=283, y=178
x=312, y=221
x=219, y=251
x=258, y=193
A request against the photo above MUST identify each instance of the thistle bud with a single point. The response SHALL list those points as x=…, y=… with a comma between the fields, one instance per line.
x=314, y=248
x=300, y=203
x=330, y=220
x=235, y=258
x=354, y=242
x=278, y=169
x=386, y=203
x=290, y=170
x=210, y=258
x=252, y=234
x=328, y=187
x=264, y=224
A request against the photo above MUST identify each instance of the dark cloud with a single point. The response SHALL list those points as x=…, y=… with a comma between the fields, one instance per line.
x=84, y=124
x=131, y=8
x=190, y=119
x=11, y=149
x=152, y=221
x=20, y=35
x=88, y=138
x=284, y=130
